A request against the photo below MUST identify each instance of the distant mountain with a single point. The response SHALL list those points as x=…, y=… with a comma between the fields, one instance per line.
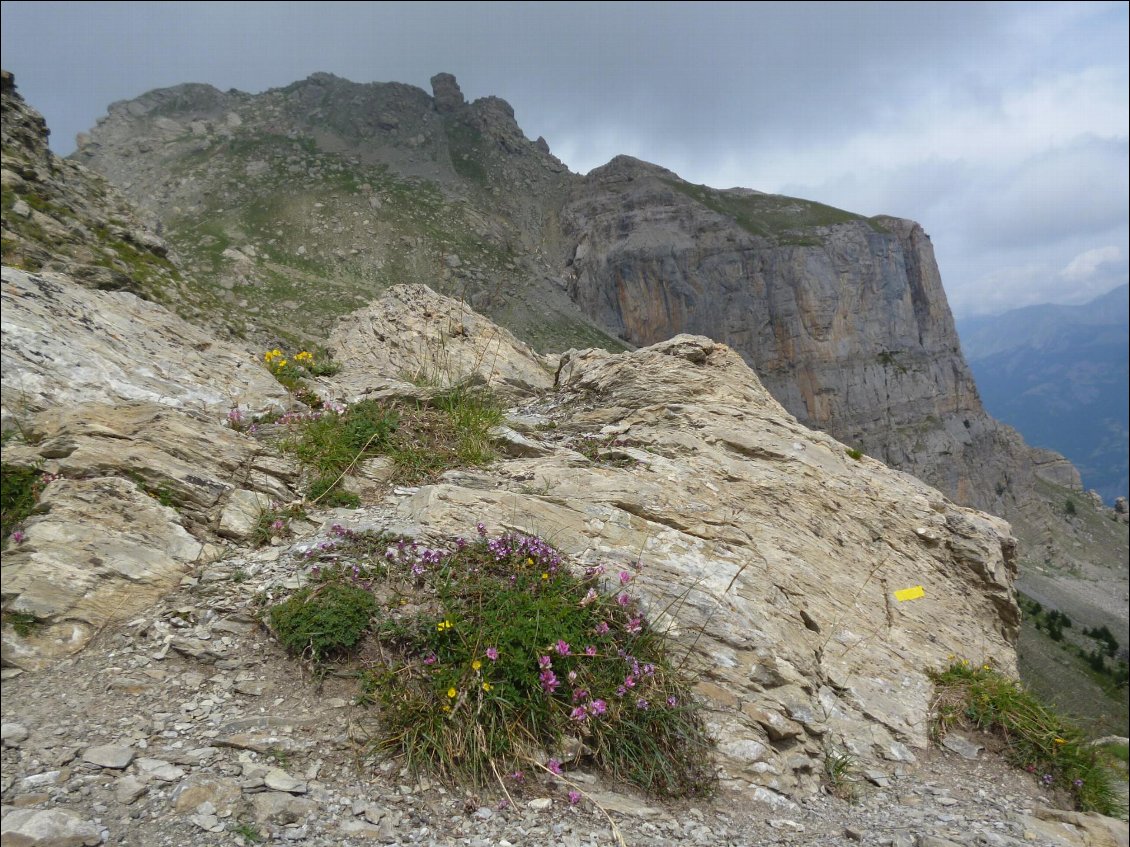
x=1058, y=374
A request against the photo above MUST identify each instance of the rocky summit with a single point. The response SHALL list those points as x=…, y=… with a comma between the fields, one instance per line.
x=808, y=589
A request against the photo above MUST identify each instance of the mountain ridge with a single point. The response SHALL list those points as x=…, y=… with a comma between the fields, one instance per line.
x=303, y=202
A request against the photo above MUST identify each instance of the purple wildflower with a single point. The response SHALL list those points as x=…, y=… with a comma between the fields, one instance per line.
x=554, y=766
x=578, y=713
x=672, y=701
x=623, y=599
x=590, y=650
x=492, y=654
x=641, y=704
x=574, y=798
x=598, y=707
x=544, y=662
x=625, y=577
x=18, y=536
x=562, y=647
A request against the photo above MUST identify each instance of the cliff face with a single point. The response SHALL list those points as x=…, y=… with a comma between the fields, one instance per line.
x=844, y=318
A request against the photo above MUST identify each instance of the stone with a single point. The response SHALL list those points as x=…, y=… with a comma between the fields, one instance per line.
x=240, y=516
x=100, y=550
x=539, y=804
x=199, y=789
x=280, y=808
x=128, y=788
x=97, y=359
x=955, y=742
x=446, y=93
x=56, y=827
x=109, y=756
x=279, y=780
x=159, y=769
x=13, y=734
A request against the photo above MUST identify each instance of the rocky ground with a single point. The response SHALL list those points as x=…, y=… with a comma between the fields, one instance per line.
x=188, y=725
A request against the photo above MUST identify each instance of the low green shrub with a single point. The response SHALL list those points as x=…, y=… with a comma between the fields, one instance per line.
x=324, y=620
x=1036, y=738
x=495, y=655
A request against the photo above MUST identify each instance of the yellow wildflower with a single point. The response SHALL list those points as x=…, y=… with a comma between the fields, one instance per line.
x=1061, y=741
x=544, y=575
x=451, y=692
x=475, y=665
x=487, y=686
x=443, y=626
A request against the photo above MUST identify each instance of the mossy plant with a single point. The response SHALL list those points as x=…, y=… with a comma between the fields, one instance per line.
x=323, y=621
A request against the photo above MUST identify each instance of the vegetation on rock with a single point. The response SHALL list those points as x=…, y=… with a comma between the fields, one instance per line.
x=1035, y=737
x=497, y=656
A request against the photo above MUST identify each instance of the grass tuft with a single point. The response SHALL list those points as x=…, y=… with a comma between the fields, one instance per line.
x=423, y=439
x=325, y=620
x=495, y=657
x=1036, y=738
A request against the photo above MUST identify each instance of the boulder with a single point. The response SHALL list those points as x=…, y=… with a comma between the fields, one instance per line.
x=414, y=335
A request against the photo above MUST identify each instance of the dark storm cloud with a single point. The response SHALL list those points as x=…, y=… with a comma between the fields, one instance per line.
x=1002, y=127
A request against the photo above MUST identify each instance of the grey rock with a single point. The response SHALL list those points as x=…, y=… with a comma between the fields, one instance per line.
x=240, y=516
x=957, y=743
x=128, y=788
x=279, y=780
x=13, y=734
x=446, y=93
x=109, y=756
x=48, y=828
x=281, y=808
x=159, y=769
x=197, y=790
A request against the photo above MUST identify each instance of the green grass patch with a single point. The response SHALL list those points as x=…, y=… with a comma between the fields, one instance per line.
x=772, y=214
x=496, y=657
x=19, y=492
x=422, y=438
x=1037, y=739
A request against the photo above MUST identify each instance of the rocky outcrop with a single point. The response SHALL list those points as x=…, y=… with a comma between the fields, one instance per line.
x=59, y=216
x=446, y=93
x=732, y=513
x=844, y=318
x=123, y=405
x=451, y=345
x=64, y=344
x=672, y=461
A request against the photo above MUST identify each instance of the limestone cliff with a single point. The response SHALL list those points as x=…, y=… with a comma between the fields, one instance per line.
x=844, y=318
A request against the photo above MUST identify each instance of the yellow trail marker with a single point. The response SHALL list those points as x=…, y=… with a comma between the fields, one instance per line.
x=910, y=593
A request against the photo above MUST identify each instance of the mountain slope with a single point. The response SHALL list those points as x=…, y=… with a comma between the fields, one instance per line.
x=1059, y=375
x=301, y=203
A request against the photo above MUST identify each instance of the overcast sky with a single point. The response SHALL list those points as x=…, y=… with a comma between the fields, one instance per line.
x=1002, y=128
